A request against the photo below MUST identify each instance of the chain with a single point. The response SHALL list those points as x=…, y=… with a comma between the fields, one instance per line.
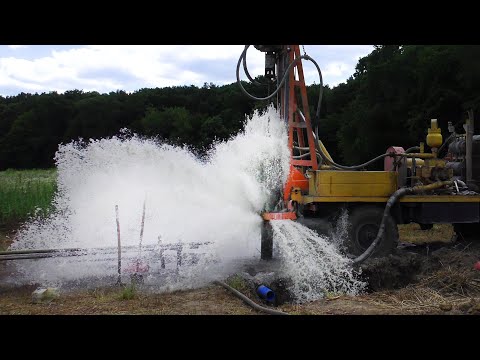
x=304, y=52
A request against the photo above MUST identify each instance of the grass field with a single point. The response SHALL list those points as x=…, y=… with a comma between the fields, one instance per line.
x=412, y=233
x=24, y=193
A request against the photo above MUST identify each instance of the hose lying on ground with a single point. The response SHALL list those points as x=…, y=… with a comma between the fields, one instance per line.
x=391, y=201
x=248, y=301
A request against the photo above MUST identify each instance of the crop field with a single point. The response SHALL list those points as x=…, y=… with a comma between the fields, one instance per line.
x=24, y=193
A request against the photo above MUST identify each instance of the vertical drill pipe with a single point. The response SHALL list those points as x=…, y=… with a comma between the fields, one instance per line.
x=119, y=269
x=470, y=127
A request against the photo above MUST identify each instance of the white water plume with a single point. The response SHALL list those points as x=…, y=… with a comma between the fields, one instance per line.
x=313, y=263
x=188, y=200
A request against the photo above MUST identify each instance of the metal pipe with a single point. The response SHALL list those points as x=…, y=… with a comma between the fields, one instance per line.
x=172, y=246
x=469, y=140
x=4, y=257
x=301, y=156
x=414, y=168
x=40, y=251
x=418, y=155
x=301, y=148
x=433, y=186
x=446, y=142
x=266, y=293
x=48, y=253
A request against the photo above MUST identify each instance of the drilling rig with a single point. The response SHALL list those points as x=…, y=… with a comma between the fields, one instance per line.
x=438, y=184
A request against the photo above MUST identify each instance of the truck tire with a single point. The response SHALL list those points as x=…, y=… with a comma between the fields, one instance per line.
x=467, y=231
x=364, y=224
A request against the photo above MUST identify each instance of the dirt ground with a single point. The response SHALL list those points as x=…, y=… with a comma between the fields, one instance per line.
x=429, y=278
x=212, y=300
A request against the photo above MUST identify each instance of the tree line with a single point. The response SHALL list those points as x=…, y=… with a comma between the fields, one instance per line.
x=389, y=100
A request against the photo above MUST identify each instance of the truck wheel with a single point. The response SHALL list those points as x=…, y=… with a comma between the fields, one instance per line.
x=364, y=225
x=467, y=231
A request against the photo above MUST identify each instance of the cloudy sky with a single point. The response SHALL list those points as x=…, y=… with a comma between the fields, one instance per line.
x=105, y=68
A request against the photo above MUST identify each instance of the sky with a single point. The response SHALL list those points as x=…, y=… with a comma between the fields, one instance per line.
x=106, y=68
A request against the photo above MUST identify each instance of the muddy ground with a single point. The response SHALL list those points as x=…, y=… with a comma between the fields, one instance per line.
x=433, y=276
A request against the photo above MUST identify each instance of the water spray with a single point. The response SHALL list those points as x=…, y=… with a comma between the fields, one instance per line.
x=209, y=230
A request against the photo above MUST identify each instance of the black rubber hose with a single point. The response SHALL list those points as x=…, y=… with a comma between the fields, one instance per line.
x=343, y=167
x=412, y=149
x=248, y=301
x=317, y=113
x=391, y=201
x=278, y=87
x=320, y=95
x=355, y=167
x=306, y=57
x=296, y=157
x=246, y=70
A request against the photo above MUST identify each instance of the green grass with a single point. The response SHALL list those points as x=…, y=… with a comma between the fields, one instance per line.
x=129, y=292
x=412, y=233
x=237, y=282
x=24, y=193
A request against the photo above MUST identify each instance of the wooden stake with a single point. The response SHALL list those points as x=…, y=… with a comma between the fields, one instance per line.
x=119, y=280
x=141, y=235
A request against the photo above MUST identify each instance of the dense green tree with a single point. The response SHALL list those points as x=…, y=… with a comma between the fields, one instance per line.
x=394, y=93
x=389, y=100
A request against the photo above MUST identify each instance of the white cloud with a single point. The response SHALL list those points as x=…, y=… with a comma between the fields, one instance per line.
x=337, y=68
x=150, y=65
x=15, y=47
x=107, y=68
